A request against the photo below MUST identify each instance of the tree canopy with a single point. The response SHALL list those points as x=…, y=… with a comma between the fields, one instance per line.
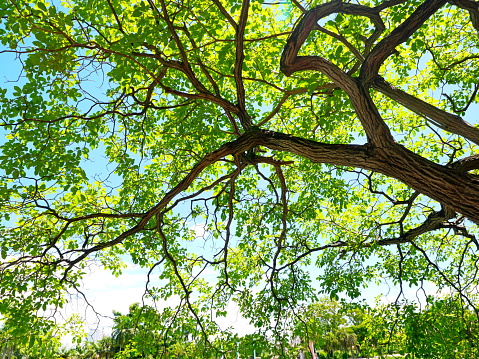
x=231, y=146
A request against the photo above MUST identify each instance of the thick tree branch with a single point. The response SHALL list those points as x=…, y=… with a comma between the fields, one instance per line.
x=386, y=46
x=455, y=189
x=472, y=7
x=436, y=220
x=376, y=129
x=338, y=154
x=466, y=164
x=290, y=62
x=445, y=120
x=238, y=69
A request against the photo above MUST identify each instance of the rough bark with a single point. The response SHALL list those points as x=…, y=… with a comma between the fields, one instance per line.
x=454, y=188
x=447, y=185
x=443, y=119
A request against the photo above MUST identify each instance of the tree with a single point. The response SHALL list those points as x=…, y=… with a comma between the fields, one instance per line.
x=125, y=326
x=145, y=332
x=318, y=320
x=13, y=346
x=247, y=139
x=446, y=328
x=380, y=330
x=323, y=325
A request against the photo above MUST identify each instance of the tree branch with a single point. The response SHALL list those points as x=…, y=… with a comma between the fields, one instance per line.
x=245, y=119
x=455, y=189
x=225, y=14
x=466, y=164
x=445, y=120
x=376, y=129
x=472, y=7
x=386, y=46
x=240, y=145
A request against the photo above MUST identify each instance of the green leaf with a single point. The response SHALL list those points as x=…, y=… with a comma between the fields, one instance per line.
x=31, y=342
x=42, y=6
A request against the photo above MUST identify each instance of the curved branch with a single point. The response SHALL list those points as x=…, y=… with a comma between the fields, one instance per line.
x=435, y=220
x=376, y=129
x=291, y=62
x=386, y=46
x=440, y=183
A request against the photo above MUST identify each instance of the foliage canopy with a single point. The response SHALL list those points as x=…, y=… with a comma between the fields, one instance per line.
x=231, y=146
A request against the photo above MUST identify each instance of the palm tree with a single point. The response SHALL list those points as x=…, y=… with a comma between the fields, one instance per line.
x=125, y=327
